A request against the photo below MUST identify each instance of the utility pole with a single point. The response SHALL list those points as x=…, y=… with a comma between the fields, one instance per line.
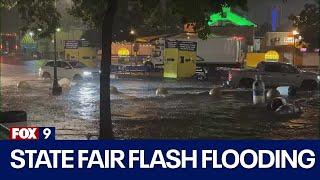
x=294, y=50
x=56, y=89
x=295, y=34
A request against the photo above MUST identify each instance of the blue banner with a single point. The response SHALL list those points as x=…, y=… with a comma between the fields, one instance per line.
x=159, y=159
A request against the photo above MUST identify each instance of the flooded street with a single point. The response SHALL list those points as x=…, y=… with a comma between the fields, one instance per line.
x=187, y=112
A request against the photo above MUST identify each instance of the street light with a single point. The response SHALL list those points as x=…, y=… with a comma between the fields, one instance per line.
x=31, y=33
x=295, y=34
x=56, y=89
x=133, y=33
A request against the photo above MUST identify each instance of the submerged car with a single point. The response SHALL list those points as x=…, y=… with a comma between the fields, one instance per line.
x=68, y=69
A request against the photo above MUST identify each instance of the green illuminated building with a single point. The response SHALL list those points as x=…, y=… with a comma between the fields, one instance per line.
x=227, y=16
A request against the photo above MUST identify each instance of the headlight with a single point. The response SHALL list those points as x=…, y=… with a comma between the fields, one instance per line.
x=87, y=73
x=318, y=77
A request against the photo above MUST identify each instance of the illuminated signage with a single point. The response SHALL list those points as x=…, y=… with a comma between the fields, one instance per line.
x=289, y=40
x=75, y=44
x=272, y=56
x=228, y=16
x=123, y=52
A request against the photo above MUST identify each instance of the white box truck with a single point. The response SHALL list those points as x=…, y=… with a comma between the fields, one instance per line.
x=212, y=52
x=220, y=52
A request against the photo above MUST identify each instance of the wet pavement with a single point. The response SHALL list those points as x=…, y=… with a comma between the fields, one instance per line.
x=187, y=112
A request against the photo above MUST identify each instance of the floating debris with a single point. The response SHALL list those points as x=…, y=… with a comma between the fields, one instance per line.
x=114, y=90
x=216, y=92
x=273, y=93
x=65, y=84
x=161, y=91
x=23, y=85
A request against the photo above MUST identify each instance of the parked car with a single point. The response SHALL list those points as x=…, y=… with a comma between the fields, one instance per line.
x=274, y=74
x=68, y=69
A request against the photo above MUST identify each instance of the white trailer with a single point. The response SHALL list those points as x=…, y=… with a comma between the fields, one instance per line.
x=220, y=52
x=212, y=52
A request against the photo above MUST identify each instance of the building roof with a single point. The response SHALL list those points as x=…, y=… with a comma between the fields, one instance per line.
x=228, y=16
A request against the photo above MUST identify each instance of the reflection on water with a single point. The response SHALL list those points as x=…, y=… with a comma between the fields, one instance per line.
x=185, y=113
x=83, y=100
x=147, y=88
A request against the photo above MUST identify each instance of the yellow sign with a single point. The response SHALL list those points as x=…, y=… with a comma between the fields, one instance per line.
x=253, y=59
x=180, y=59
x=272, y=56
x=123, y=52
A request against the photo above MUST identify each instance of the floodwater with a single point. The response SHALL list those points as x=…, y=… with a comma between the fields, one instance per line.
x=187, y=112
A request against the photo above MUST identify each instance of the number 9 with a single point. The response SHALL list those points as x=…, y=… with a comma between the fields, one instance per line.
x=46, y=133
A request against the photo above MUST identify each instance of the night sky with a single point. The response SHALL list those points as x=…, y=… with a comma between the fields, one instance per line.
x=260, y=11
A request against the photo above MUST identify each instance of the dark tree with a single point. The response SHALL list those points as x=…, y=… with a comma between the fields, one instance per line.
x=101, y=14
x=308, y=24
x=93, y=36
x=263, y=29
x=160, y=17
x=192, y=11
x=35, y=15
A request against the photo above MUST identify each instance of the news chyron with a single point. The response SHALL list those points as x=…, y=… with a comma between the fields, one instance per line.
x=32, y=133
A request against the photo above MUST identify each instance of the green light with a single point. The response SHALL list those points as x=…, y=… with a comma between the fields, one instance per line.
x=28, y=39
x=227, y=16
x=170, y=75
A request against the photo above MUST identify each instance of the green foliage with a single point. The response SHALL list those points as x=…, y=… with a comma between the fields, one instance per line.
x=36, y=14
x=8, y=3
x=195, y=11
x=93, y=36
x=159, y=15
x=91, y=12
x=308, y=24
x=160, y=18
x=67, y=21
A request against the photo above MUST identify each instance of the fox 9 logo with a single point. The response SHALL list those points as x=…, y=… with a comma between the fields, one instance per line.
x=32, y=133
